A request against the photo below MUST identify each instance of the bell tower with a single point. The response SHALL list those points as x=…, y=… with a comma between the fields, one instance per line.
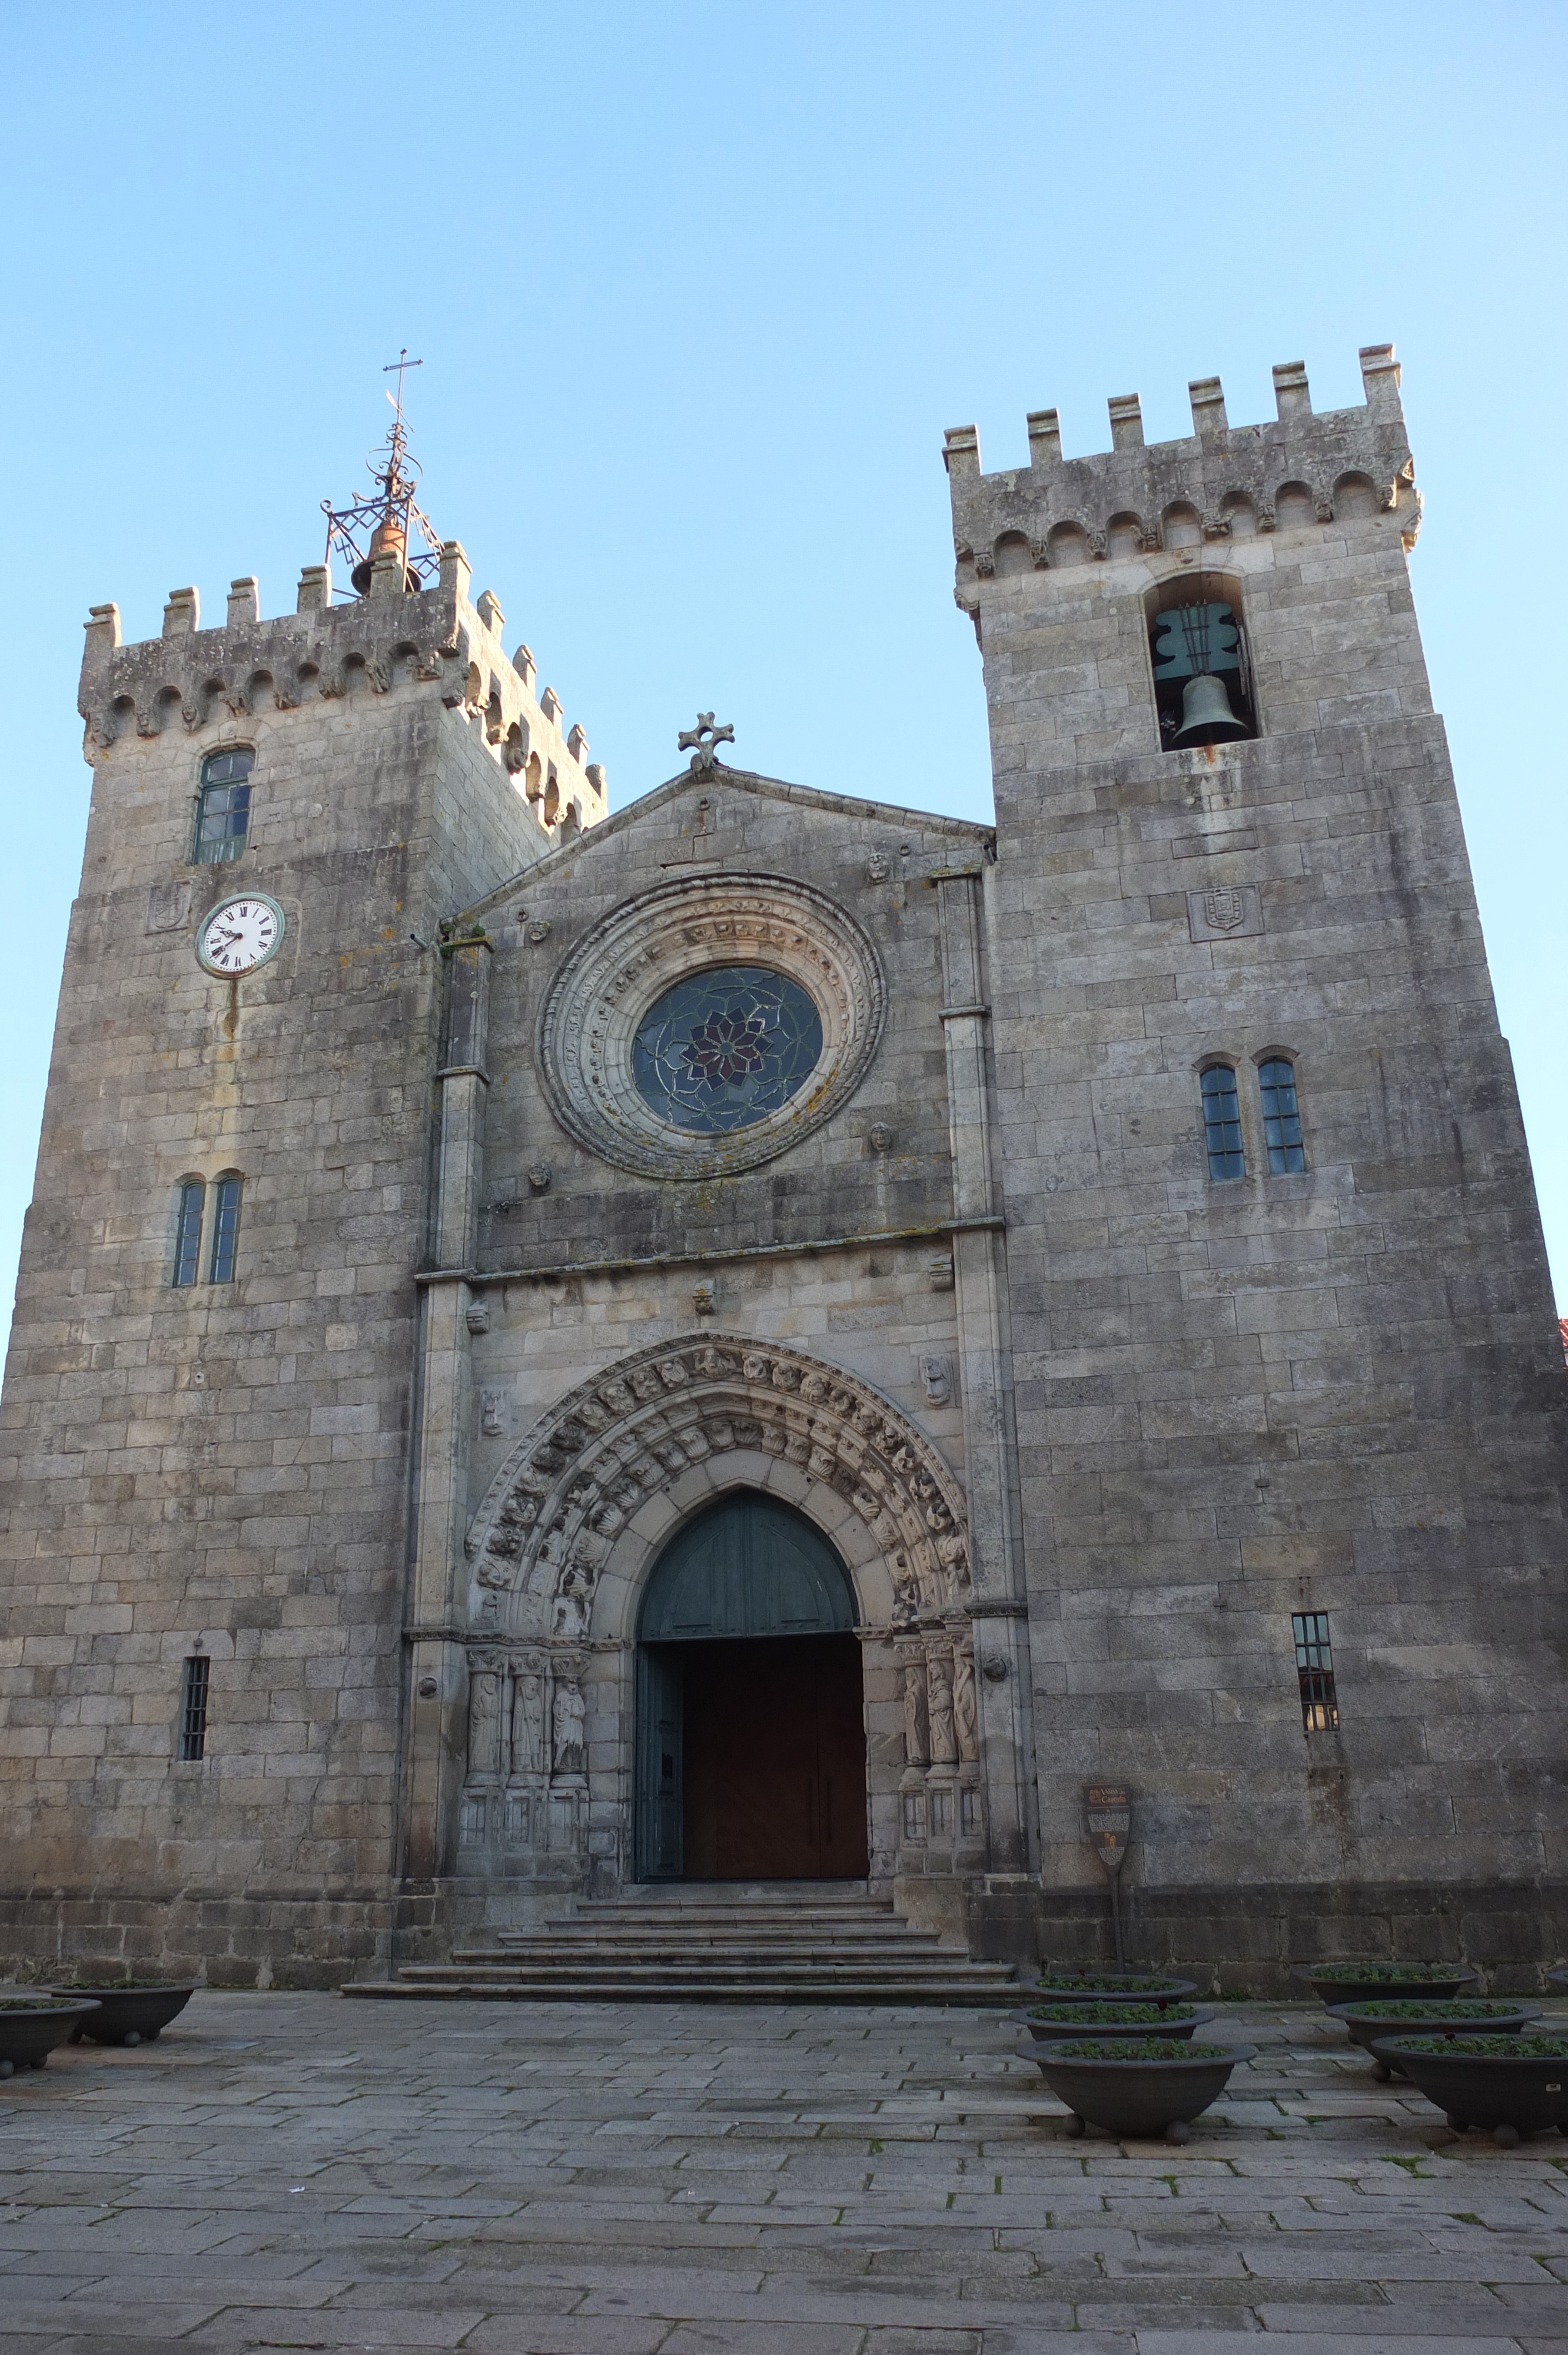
x=1292, y=1444
x=212, y=1381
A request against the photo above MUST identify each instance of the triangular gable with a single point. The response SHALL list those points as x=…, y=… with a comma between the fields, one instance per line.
x=966, y=833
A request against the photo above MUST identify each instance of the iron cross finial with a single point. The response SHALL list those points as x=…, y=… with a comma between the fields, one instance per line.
x=706, y=739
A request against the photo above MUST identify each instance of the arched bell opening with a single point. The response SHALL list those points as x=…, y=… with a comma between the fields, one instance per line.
x=750, y=1728
x=1203, y=687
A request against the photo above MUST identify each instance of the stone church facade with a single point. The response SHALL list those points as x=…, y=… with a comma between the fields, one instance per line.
x=778, y=1337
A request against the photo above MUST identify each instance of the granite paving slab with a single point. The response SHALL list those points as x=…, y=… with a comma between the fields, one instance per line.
x=291, y=2171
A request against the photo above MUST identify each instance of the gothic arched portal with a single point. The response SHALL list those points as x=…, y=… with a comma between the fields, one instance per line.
x=751, y=1749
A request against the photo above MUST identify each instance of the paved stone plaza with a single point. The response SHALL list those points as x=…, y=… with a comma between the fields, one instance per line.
x=295, y=2171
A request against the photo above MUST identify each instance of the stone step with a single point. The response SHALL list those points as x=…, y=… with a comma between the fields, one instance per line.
x=741, y=1963
x=829, y=1988
x=573, y=1954
x=757, y=1946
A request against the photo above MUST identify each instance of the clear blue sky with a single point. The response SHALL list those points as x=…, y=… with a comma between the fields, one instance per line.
x=697, y=288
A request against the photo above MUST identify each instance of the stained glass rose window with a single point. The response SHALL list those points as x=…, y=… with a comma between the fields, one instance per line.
x=726, y=1048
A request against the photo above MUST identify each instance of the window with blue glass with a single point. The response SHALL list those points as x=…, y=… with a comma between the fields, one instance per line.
x=725, y=1048
x=223, y=807
x=1281, y=1115
x=225, y=1229
x=189, y=1204
x=1222, y=1123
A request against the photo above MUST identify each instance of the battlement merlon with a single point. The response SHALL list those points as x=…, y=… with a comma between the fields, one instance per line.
x=1221, y=475
x=393, y=640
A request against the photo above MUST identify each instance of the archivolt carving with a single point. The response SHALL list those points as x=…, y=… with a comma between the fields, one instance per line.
x=554, y=1510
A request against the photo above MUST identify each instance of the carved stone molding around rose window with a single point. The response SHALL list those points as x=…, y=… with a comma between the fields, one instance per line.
x=605, y=987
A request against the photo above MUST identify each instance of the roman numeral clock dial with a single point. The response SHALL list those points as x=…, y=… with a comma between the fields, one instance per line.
x=240, y=935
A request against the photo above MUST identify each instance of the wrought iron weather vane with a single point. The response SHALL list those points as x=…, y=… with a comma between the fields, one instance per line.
x=706, y=739
x=384, y=523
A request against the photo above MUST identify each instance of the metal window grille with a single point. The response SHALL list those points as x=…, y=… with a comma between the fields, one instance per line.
x=225, y=1229
x=187, y=1232
x=1222, y=1123
x=223, y=807
x=1315, y=1672
x=193, y=1707
x=1281, y=1116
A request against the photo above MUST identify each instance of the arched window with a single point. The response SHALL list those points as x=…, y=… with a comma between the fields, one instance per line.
x=225, y=1229
x=1281, y=1115
x=188, y=1205
x=1222, y=1123
x=223, y=807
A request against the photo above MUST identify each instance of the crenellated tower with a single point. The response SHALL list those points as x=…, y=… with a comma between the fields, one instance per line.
x=216, y=1373
x=1292, y=1411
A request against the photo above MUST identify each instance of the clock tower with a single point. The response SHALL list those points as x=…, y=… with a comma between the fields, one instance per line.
x=213, y=1368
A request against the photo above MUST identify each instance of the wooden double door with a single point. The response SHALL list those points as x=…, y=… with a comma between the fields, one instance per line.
x=750, y=1716
x=758, y=1761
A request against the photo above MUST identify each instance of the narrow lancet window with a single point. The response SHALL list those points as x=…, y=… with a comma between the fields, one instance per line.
x=1281, y=1115
x=1315, y=1672
x=225, y=1229
x=223, y=807
x=193, y=1706
x=1222, y=1123
x=188, y=1208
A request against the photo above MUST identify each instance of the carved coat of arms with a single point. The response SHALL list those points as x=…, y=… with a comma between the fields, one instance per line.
x=1224, y=907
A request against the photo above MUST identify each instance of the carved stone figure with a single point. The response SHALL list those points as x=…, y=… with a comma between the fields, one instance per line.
x=568, y=1724
x=484, y=1717
x=917, y=1741
x=528, y=1721
x=939, y=1710
x=965, y=1719
x=937, y=1377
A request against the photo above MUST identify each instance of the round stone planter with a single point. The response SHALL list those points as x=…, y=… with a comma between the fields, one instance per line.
x=1110, y=1987
x=1557, y=1980
x=1145, y=2088
x=1374, y=2022
x=1049, y=2023
x=1337, y=1983
x=1514, y=2085
x=131, y=2011
x=31, y=2025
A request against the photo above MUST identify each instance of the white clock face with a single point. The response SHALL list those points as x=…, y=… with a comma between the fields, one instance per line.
x=239, y=935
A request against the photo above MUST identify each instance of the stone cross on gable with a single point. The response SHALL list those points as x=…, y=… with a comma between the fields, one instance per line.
x=706, y=737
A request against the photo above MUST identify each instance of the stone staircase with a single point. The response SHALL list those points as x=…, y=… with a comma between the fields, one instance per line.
x=799, y=1942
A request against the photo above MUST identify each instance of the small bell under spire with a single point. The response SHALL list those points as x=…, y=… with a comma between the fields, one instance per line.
x=384, y=525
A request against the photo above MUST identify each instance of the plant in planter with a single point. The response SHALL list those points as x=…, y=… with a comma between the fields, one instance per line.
x=1058, y=1985
x=1514, y=2085
x=1052, y=2022
x=1386, y=1982
x=128, y=2011
x=31, y=2025
x=1370, y=2023
x=1143, y=2086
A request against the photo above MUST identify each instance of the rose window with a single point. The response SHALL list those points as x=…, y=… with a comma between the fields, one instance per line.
x=725, y=1048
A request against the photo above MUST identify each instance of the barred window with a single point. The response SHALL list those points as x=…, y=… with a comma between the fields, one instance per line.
x=223, y=807
x=225, y=1229
x=193, y=1706
x=1315, y=1672
x=188, y=1205
x=1222, y=1123
x=1281, y=1115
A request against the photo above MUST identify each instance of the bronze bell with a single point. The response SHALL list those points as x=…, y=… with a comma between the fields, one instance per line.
x=389, y=538
x=1206, y=714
